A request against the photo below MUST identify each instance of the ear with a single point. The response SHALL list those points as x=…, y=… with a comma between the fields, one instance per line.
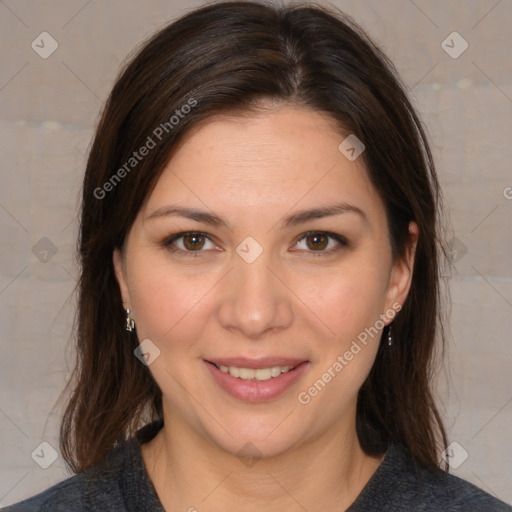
x=120, y=271
x=401, y=274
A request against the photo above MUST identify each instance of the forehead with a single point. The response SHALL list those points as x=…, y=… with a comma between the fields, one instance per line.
x=273, y=160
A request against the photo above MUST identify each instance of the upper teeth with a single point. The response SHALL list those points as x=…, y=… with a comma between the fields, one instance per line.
x=251, y=373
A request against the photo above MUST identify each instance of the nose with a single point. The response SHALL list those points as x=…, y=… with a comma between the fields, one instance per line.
x=255, y=302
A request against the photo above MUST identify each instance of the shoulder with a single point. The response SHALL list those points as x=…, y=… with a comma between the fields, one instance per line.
x=97, y=488
x=400, y=484
x=438, y=490
x=118, y=483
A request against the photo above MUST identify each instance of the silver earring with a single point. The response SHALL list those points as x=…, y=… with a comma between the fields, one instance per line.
x=390, y=339
x=130, y=323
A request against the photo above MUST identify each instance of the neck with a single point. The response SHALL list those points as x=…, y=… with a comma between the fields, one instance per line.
x=191, y=472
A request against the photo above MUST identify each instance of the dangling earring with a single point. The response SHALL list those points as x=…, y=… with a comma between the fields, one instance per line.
x=390, y=339
x=130, y=323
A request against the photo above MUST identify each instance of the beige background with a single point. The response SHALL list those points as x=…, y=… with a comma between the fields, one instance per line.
x=48, y=109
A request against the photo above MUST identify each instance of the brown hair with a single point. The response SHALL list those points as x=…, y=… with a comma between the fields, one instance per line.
x=229, y=57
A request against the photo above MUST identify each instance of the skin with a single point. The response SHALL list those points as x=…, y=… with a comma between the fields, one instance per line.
x=294, y=300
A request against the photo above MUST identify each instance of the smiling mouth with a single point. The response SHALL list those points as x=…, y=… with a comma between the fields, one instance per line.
x=256, y=380
x=252, y=374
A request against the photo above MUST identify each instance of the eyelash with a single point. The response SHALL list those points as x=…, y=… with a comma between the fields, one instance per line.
x=167, y=243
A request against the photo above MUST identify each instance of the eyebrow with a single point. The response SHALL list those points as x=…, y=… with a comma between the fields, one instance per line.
x=294, y=219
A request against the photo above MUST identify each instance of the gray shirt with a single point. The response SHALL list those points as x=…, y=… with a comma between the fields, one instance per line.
x=121, y=483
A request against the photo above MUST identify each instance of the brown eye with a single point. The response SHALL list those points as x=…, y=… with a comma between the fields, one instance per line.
x=193, y=241
x=317, y=241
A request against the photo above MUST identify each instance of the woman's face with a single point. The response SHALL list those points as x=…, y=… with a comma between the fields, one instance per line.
x=257, y=282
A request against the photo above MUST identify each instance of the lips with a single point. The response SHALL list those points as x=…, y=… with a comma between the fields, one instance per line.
x=254, y=390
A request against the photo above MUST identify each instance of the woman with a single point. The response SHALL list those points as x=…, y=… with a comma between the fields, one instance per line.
x=259, y=285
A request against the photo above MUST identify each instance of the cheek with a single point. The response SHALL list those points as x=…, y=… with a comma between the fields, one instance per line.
x=169, y=304
x=349, y=302
x=345, y=300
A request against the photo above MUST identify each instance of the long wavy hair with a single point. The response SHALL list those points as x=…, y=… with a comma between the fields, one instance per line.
x=230, y=57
